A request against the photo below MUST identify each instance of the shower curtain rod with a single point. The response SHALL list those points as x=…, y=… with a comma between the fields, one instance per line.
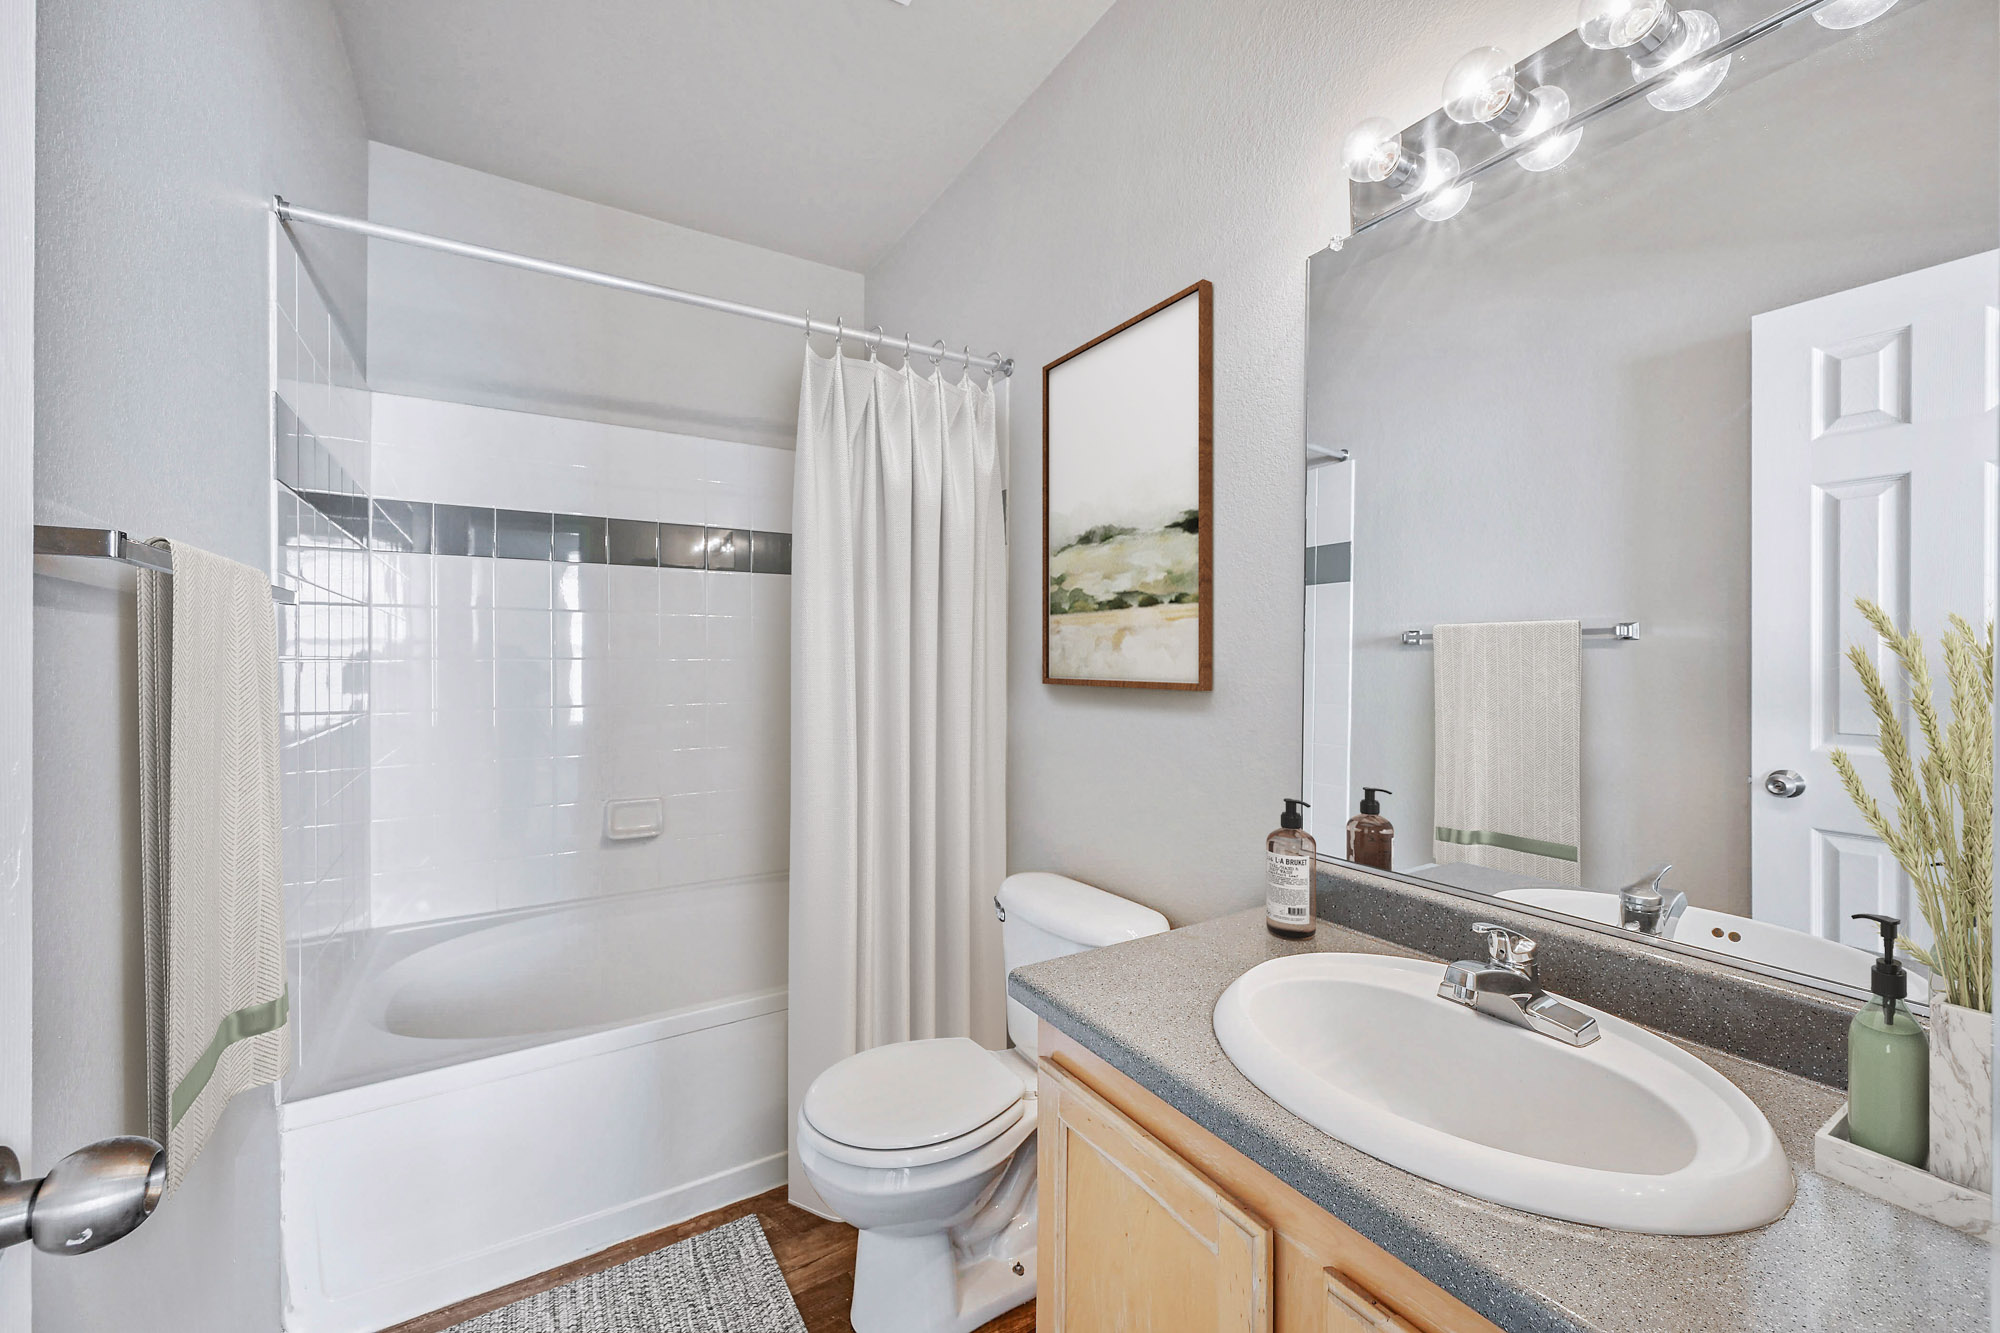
x=292, y=213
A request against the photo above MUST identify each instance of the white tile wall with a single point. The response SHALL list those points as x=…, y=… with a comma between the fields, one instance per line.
x=449, y=452
x=1329, y=657
x=512, y=698
x=320, y=419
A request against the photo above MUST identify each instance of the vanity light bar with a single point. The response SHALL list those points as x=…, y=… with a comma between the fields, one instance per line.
x=1623, y=629
x=1667, y=87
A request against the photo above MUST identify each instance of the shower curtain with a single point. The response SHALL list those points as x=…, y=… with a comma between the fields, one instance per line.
x=899, y=727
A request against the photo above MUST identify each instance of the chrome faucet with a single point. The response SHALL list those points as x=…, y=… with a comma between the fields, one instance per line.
x=1644, y=907
x=1507, y=986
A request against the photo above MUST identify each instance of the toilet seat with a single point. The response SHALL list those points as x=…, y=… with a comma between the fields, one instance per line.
x=914, y=1103
x=893, y=1159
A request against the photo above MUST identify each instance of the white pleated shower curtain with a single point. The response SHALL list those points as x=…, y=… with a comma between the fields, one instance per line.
x=899, y=724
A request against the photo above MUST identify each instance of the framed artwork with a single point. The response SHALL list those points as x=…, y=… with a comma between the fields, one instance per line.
x=1127, y=551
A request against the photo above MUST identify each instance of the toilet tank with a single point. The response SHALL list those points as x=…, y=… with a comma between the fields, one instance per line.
x=1046, y=916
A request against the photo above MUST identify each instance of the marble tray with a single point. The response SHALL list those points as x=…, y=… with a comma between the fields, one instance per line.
x=1957, y=1206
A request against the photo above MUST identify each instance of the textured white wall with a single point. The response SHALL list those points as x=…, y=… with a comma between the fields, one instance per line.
x=1181, y=139
x=458, y=329
x=164, y=129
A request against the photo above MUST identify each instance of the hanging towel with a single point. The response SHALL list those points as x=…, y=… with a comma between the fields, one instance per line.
x=209, y=824
x=1508, y=789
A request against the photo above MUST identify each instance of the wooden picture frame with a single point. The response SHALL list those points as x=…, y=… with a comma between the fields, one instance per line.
x=1142, y=398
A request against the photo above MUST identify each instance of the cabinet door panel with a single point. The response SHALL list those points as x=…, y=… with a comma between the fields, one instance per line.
x=1140, y=1241
x=1351, y=1309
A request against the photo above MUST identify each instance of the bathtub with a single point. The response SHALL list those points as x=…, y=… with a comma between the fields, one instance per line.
x=482, y=1100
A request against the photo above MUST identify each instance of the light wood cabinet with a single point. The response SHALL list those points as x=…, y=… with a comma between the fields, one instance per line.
x=1151, y=1223
x=1141, y=1241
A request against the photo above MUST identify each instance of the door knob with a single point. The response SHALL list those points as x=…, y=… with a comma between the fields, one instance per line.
x=1784, y=782
x=87, y=1200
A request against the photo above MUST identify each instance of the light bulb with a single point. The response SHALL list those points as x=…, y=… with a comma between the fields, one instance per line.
x=1373, y=152
x=1441, y=194
x=1482, y=90
x=1611, y=25
x=1851, y=13
x=1660, y=38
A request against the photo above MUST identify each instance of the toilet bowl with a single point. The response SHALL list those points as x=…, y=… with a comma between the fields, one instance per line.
x=928, y=1147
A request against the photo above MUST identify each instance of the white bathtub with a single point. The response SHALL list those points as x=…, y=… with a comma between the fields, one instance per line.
x=487, y=1099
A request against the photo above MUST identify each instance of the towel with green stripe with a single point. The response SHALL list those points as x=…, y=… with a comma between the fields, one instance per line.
x=209, y=824
x=1507, y=781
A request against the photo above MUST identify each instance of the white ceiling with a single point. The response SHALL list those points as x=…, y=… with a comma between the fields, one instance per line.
x=822, y=128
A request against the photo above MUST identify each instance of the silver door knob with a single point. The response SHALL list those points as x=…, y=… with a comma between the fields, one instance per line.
x=88, y=1199
x=1784, y=782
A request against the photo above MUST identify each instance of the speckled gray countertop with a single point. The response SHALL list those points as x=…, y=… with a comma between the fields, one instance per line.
x=1838, y=1261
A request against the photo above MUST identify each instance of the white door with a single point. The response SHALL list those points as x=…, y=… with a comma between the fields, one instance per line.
x=17, y=453
x=1872, y=474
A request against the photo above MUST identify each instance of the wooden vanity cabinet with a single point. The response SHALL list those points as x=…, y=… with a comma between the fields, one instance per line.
x=1151, y=1224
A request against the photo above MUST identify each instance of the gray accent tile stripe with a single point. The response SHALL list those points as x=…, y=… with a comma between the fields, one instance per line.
x=420, y=527
x=1331, y=563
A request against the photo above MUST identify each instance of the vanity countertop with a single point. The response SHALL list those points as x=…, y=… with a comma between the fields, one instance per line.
x=1838, y=1260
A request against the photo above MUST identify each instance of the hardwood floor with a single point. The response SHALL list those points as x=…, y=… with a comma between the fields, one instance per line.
x=816, y=1255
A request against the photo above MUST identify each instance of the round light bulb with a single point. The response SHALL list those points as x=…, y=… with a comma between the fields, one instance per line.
x=1695, y=31
x=1481, y=89
x=1373, y=151
x=1441, y=194
x=1547, y=107
x=1612, y=25
x=1842, y=14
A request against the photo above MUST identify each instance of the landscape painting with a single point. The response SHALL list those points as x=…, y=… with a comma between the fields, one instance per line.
x=1125, y=503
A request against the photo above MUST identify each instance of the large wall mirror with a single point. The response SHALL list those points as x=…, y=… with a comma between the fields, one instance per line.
x=1599, y=467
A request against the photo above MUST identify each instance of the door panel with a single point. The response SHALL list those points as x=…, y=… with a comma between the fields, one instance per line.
x=1873, y=475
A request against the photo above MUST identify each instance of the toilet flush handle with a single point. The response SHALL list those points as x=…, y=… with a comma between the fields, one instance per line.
x=998, y=910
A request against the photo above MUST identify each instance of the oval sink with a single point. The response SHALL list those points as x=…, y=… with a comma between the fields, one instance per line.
x=1629, y=1132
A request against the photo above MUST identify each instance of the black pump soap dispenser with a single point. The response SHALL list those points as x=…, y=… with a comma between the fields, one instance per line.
x=1371, y=839
x=1288, y=874
x=1888, y=1062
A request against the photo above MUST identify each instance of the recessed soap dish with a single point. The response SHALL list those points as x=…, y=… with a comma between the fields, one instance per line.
x=635, y=817
x=1957, y=1206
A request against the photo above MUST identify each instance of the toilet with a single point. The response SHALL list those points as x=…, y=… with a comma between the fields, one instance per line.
x=928, y=1147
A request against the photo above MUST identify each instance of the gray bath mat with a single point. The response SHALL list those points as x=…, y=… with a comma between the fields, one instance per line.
x=722, y=1281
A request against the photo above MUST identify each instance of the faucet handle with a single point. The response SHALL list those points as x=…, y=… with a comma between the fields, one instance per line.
x=1507, y=948
x=1647, y=886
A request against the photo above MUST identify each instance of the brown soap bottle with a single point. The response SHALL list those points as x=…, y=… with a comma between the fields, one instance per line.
x=1371, y=838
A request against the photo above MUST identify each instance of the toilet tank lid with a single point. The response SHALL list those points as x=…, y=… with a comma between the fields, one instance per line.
x=1072, y=910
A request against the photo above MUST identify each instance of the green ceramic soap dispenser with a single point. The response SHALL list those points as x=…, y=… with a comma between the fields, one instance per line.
x=1888, y=1062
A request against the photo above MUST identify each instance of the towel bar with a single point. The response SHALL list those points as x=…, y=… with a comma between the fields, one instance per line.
x=1624, y=629
x=111, y=544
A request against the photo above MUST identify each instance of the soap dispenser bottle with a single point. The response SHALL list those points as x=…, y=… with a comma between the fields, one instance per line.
x=1371, y=838
x=1288, y=875
x=1888, y=1062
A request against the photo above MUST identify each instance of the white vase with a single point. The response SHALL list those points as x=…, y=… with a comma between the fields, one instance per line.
x=1962, y=1095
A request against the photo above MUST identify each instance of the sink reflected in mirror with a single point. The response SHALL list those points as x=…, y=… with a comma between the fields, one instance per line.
x=1628, y=1131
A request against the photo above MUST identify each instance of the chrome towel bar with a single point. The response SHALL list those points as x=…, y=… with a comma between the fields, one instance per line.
x=1624, y=629
x=111, y=544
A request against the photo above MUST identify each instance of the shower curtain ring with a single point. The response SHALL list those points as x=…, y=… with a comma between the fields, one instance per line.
x=874, y=346
x=938, y=350
x=968, y=364
x=994, y=369
x=809, y=326
x=839, y=333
